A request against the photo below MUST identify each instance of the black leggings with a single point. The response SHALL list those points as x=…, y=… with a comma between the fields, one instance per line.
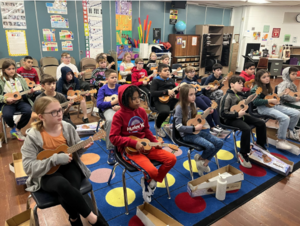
x=164, y=110
x=65, y=182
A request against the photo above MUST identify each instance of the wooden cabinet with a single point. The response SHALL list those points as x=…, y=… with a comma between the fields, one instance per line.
x=184, y=45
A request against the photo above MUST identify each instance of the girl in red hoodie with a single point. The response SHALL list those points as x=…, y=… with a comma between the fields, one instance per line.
x=132, y=120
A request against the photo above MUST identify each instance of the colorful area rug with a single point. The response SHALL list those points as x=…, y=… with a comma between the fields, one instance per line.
x=188, y=211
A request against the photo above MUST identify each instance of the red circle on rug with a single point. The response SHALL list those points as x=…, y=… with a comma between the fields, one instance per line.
x=188, y=204
x=279, y=155
x=255, y=171
x=233, y=191
x=135, y=221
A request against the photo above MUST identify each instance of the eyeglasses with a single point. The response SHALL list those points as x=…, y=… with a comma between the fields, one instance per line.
x=54, y=113
x=140, y=63
x=67, y=57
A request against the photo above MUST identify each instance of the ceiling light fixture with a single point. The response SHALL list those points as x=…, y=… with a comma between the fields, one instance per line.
x=258, y=1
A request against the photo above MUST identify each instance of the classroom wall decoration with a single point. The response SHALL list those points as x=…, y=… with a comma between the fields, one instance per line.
x=49, y=35
x=93, y=29
x=256, y=35
x=123, y=27
x=265, y=37
x=66, y=35
x=58, y=7
x=67, y=46
x=13, y=15
x=16, y=42
x=266, y=28
x=49, y=46
x=276, y=32
x=58, y=21
x=173, y=16
x=287, y=38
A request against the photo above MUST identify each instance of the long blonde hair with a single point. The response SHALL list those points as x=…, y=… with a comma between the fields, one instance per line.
x=125, y=54
x=183, y=102
x=40, y=106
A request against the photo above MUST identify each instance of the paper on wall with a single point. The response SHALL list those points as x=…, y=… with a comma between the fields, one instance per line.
x=66, y=35
x=49, y=46
x=13, y=15
x=194, y=41
x=51, y=8
x=49, y=35
x=67, y=46
x=16, y=42
x=58, y=21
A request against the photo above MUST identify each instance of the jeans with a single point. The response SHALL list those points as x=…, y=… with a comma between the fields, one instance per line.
x=210, y=143
x=287, y=117
x=203, y=102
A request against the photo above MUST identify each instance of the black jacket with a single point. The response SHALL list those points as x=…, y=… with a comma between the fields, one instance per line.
x=159, y=87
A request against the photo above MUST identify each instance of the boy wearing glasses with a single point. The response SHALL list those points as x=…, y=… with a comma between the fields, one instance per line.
x=49, y=85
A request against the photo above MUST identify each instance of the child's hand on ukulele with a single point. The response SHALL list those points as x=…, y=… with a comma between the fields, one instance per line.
x=175, y=73
x=145, y=83
x=273, y=101
x=72, y=97
x=159, y=145
x=31, y=90
x=171, y=93
x=242, y=113
x=198, y=127
x=139, y=147
x=88, y=145
x=215, y=88
x=87, y=94
x=116, y=108
x=10, y=100
x=211, y=111
x=115, y=101
x=225, y=79
x=208, y=88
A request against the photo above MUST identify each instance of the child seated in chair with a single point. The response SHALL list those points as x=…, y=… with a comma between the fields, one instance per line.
x=109, y=108
x=98, y=75
x=131, y=120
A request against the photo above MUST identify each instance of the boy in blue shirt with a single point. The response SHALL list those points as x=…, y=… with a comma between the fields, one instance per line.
x=109, y=108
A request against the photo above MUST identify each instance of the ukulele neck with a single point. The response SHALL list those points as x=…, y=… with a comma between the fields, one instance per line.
x=65, y=104
x=153, y=144
x=27, y=91
x=80, y=145
x=250, y=99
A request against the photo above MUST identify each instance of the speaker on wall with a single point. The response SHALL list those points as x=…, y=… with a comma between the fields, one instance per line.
x=178, y=4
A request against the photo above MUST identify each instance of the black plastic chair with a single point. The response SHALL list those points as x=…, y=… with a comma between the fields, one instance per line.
x=46, y=200
x=203, y=80
x=276, y=89
x=130, y=168
x=102, y=118
x=178, y=140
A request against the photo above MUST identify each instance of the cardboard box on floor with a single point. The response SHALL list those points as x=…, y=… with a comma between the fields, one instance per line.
x=20, y=175
x=201, y=186
x=151, y=216
x=87, y=129
x=25, y=218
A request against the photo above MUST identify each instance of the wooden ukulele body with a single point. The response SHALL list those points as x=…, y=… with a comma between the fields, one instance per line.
x=249, y=83
x=241, y=105
x=111, y=98
x=197, y=86
x=164, y=99
x=75, y=93
x=214, y=83
x=145, y=143
x=196, y=121
x=15, y=95
x=48, y=153
x=146, y=79
x=273, y=96
x=30, y=83
x=294, y=94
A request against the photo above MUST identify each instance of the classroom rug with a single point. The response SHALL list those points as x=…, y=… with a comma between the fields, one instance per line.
x=203, y=210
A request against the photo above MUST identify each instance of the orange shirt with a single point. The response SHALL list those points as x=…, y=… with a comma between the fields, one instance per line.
x=50, y=142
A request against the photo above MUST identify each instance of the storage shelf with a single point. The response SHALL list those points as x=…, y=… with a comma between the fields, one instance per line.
x=186, y=56
x=213, y=45
x=214, y=34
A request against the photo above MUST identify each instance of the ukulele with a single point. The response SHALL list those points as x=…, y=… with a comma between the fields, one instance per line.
x=243, y=104
x=294, y=94
x=30, y=83
x=110, y=98
x=147, y=79
x=79, y=93
x=68, y=150
x=18, y=95
x=198, y=87
x=147, y=146
x=165, y=99
x=218, y=82
x=275, y=96
x=249, y=83
x=68, y=102
x=87, y=70
x=200, y=119
x=153, y=68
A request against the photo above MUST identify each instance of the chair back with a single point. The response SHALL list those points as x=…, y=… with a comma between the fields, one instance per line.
x=175, y=134
x=4, y=59
x=203, y=81
x=276, y=90
x=88, y=63
x=151, y=104
x=263, y=63
x=175, y=66
x=48, y=61
x=73, y=61
x=50, y=70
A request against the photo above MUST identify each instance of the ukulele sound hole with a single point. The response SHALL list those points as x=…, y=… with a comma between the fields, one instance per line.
x=15, y=96
x=242, y=106
x=199, y=120
x=113, y=98
x=274, y=97
x=144, y=143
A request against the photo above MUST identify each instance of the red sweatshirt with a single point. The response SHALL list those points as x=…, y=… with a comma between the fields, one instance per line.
x=127, y=122
x=247, y=78
x=31, y=74
x=138, y=74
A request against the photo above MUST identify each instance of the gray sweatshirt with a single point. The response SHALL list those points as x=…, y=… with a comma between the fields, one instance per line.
x=286, y=83
x=178, y=121
x=34, y=168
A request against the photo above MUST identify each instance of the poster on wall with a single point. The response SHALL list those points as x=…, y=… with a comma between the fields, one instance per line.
x=16, y=42
x=13, y=15
x=49, y=46
x=256, y=35
x=173, y=16
x=66, y=35
x=156, y=34
x=49, y=35
x=93, y=30
x=287, y=38
x=266, y=29
x=276, y=32
x=265, y=37
x=58, y=21
x=123, y=27
x=67, y=46
x=54, y=9
x=294, y=39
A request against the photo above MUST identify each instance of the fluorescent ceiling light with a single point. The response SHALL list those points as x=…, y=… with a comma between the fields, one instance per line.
x=258, y=1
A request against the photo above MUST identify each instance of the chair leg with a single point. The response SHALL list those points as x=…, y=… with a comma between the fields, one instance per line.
x=36, y=217
x=190, y=164
x=78, y=111
x=155, y=118
x=217, y=161
x=235, y=148
x=125, y=192
x=97, y=129
x=112, y=173
x=252, y=136
x=227, y=136
x=28, y=202
x=94, y=202
x=167, y=187
x=4, y=130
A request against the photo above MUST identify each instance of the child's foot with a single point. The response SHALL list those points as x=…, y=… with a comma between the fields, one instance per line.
x=200, y=165
x=85, y=120
x=294, y=134
x=17, y=134
x=146, y=190
x=160, y=132
x=152, y=186
x=283, y=145
x=111, y=160
x=244, y=161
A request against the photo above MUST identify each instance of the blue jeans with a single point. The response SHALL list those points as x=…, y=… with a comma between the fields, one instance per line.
x=287, y=117
x=210, y=143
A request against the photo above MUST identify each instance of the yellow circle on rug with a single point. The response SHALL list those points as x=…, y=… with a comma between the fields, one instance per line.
x=187, y=167
x=171, y=181
x=224, y=155
x=115, y=197
x=238, y=144
x=90, y=158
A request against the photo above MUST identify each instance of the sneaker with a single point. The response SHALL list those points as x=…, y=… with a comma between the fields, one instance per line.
x=17, y=134
x=146, y=190
x=85, y=120
x=244, y=161
x=152, y=186
x=111, y=160
x=217, y=130
x=284, y=145
x=200, y=165
x=294, y=134
x=160, y=132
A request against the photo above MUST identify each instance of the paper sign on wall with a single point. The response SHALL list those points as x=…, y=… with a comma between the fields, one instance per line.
x=256, y=35
x=16, y=43
x=49, y=35
x=276, y=32
x=287, y=38
x=265, y=37
x=52, y=9
x=194, y=41
x=49, y=46
x=173, y=16
x=266, y=28
x=58, y=21
x=66, y=35
x=13, y=14
x=67, y=46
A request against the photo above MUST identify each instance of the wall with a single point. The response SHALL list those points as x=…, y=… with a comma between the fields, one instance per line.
x=158, y=12
x=244, y=18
